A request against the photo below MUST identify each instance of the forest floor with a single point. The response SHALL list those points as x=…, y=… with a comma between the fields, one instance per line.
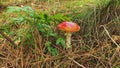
x=30, y=38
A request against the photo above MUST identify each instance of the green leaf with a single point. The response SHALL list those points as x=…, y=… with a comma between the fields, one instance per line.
x=61, y=17
x=54, y=51
x=61, y=41
x=27, y=9
x=30, y=11
x=18, y=20
x=51, y=49
x=53, y=34
x=13, y=9
x=48, y=43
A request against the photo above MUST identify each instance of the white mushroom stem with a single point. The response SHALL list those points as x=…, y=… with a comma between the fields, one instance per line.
x=68, y=40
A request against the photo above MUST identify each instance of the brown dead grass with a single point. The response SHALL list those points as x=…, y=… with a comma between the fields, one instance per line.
x=94, y=51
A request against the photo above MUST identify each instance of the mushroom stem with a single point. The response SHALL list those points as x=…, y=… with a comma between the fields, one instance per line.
x=68, y=40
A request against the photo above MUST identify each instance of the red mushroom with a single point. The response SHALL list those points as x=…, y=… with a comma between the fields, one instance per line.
x=68, y=27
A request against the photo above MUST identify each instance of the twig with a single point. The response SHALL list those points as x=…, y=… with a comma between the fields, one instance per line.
x=110, y=36
x=118, y=47
x=77, y=62
x=9, y=39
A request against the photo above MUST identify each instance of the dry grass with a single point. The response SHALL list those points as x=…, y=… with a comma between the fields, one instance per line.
x=93, y=47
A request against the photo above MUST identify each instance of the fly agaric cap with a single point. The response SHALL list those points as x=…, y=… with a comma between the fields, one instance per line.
x=69, y=27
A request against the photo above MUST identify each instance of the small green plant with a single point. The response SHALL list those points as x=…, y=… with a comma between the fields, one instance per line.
x=44, y=22
x=51, y=49
x=61, y=41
